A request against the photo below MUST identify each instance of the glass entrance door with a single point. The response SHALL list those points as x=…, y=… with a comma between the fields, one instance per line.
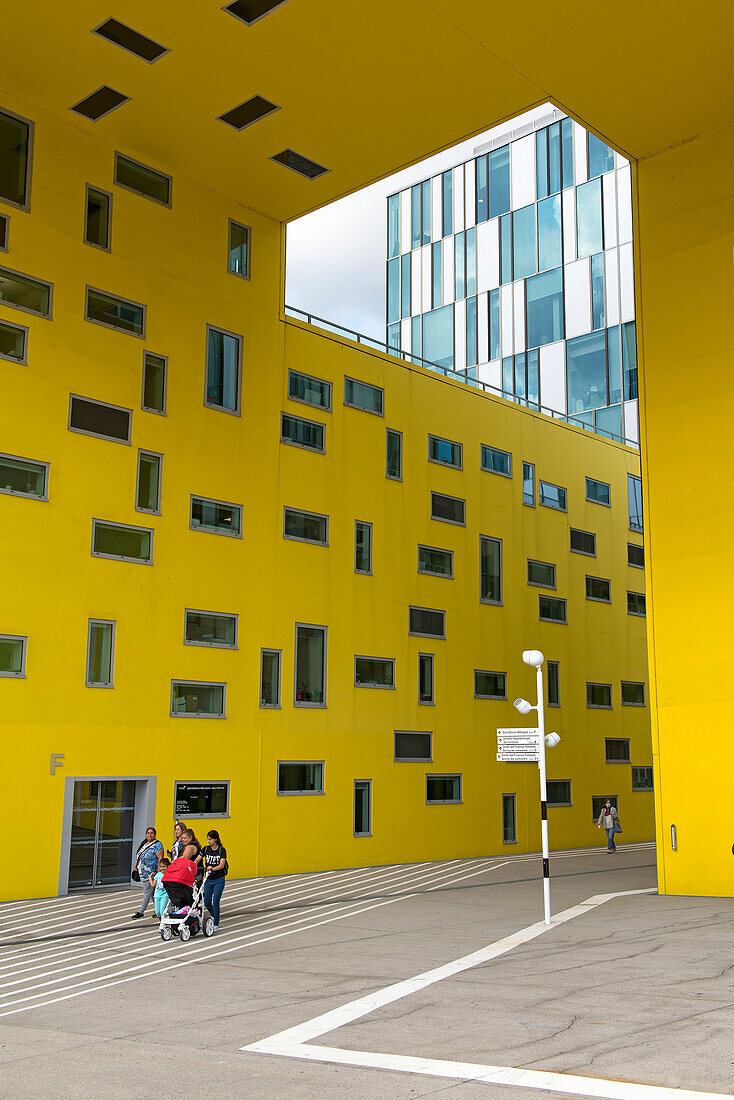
x=101, y=833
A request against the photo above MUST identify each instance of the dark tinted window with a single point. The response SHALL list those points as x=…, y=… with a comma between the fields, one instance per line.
x=14, y=148
x=425, y=621
x=449, y=509
x=106, y=421
x=412, y=746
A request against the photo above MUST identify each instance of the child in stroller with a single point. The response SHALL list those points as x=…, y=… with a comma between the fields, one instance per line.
x=184, y=913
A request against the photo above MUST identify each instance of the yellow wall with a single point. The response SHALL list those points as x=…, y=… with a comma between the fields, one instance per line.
x=174, y=261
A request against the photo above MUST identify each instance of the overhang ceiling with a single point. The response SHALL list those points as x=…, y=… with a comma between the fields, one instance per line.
x=366, y=89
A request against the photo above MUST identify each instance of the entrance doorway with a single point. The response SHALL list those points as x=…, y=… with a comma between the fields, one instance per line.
x=101, y=846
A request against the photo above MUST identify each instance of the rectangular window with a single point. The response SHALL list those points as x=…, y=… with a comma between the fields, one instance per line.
x=100, y=653
x=599, y=696
x=444, y=451
x=393, y=290
x=499, y=181
x=15, y=160
x=24, y=292
x=635, y=555
x=197, y=700
x=223, y=367
x=270, y=678
x=552, y=496
x=641, y=779
x=528, y=484
x=471, y=263
x=24, y=478
x=447, y=209
x=509, y=819
x=554, y=691
x=490, y=685
x=148, y=488
x=427, y=623
x=393, y=226
x=412, y=746
x=523, y=242
x=616, y=750
x=459, y=264
x=490, y=570
x=437, y=275
x=480, y=166
x=598, y=589
x=541, y=574
x=496, y=461
x=405, y=285
x=201, y=800
x=634, y=499
x=99, y=419
x=443, y=789
x=12, y=655
x=551, y=609
x=97, y=218
x=415, y=216
x=310, y=667
x=238, y=250
x=495, y=339
x=448, y=509
x=394, y=455
x=155, y=368
x=363, y=807
x=597, y=291
x=305, y=526
x=362, y=546
x=550, y=235
x=558, y=792
x=583, y=542
x=309, y=390
x=113, y=312
x=629, y=360
x=436, y=563
x=360, y=395
x=4, y=232
x=438, y=336
x=116, y=540
x=471, y=333
x=586, y=372
x=216, y=517
x=601, y=157
x=425, y=678
x=415, y=338
x=636, y=604
x=13, y=342
x=426, y=211
x=589, y=224
x=544, y=308
x=598, y=492
x=506, y=249
x=296, y=777
x=208, y=628
x=302, y=433
x=142, y=180
x=598, y=801
x=633, y=694
x=374, y=672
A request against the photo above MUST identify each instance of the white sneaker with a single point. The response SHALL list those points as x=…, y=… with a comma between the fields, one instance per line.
x=216, y=927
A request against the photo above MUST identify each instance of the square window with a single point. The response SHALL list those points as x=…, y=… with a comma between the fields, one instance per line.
x=598, y=589
x=12, y=655
x=13, y=342
x=551, y=609
x=635, y=556
x=599, y=696
x=597, y=803
x=633, y=694
x=641, y=779
x=636, y=604
x=558, y=792
x=617, y=750
x=583, y=542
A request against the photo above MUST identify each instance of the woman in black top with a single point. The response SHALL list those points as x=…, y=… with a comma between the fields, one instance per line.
x=214, y=858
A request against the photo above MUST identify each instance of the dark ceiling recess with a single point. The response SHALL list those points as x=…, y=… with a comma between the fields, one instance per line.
x=302, y=165
x=99, y=103
x=131, y=40
x=249, y=112
x=249, y=11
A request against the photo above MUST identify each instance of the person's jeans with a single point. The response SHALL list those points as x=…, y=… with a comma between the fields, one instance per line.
x=610, y=839
x=212, y=894
x=147, y=894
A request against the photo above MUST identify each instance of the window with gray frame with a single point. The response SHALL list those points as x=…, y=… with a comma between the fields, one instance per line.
x=435, y=563
x=490, y=685
x=635, y=556
x=444, y=452
x=118, y=540
x=411, y=746
x=554, y=690
x=99, y=419
x=270, y=660
x=201, y=800
x=426, y=623
x=394, y=455
x=374, y=672
x=528, y=484
x=155, y=368
x=509, y=819
x=633, y=694
x=448, y=509
x=541, y=574
x=97, y=218
x=598, y=492
x=310, y=666
x=305, y=526
x=16, y=135
x=490, y=570
x=148, y=489
x=641, y=778
x=223, y=369
x=599, y=696
x=598, y=589
x=582, y=542
x=13, y=342
x=558, y=792
x=634, y=500
x=363, y=807
x=4, y=232
x=210, y=628
x=552, y=496
x=617, y=750
x=12, y=655
x=113, y=312
x=551, y=609
x=300, y=777
x=100, y=653
x=215, y=517
x=24, y=292
x=425, y=678
x=238, y=251
x=22, y=477
x=142, y=180
x=361, y=395
x=197, y=700
x=636, y=603
x=496, y=461
x=443, y=789
x=362, y=546
x=309, y=390
x=309, y=434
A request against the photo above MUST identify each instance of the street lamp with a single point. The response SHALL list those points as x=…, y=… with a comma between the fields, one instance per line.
x=534, y=658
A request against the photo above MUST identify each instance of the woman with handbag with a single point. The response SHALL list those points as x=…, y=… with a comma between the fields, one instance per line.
x=609, y=820
x=214, y=857
x=149, y=852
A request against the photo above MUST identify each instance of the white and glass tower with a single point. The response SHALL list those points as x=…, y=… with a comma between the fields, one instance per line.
x=515, y=269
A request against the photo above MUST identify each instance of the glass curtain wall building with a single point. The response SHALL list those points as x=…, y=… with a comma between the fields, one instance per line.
x=515, y=269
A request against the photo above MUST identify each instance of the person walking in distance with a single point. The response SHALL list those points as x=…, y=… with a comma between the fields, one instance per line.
x=215, y=860
x=608, y=818
x=149, y=852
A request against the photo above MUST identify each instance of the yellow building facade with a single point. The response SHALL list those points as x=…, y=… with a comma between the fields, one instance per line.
x=179, y=557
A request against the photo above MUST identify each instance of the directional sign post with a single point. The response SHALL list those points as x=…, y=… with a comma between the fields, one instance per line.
x=518, y=746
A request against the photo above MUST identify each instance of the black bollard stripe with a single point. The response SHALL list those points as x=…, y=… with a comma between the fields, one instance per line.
x=544, y=810
x=546, y=869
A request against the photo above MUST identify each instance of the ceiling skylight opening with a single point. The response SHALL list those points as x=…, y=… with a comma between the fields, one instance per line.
x=100, y=103
x=249, y=11
x=300, y=164
x=248, y=112
x=132, y=41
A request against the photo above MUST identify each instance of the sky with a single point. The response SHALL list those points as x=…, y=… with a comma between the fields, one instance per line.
x=335, y=257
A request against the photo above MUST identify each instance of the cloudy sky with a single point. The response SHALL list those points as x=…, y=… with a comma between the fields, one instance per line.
x=335, y=259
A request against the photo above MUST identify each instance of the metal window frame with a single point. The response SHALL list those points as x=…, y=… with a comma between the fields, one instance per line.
x=596, y=481
x=635, y=683
x=394, y=477
x=432, y=701
x=379, y=687
x=122, y=301
x=126, y=527
x=486, y=599
x=265, y=14
x=598, y=706
x=314, y=515
x=216, y=614
x=133, y=190
x=537, y=584
x=310, y=378
x=362, y=523
x=624, y=740
x=143, y=406
x=441, y=519
x=29, y=161
x=94, y=683
x=203, y=783
x=556, y=599
x=551, y=485
x=452, y=443
x=215, y=530
x=558, y=671
x=579, y=531
x=303, y=446
x=100, y=435
x=150, y=454
x=23, y=639
x=513, y=796
x=5, y=219
x=597, y=599
x=494, y=450
x=370, y=385
x=33, y=462
x=637, y=614
x=368, y=784
x=237, y=411
x=487, y=672
x=199, y=683
x=433, y=611
x=570, y=795
x=429, y=572
x=527, y=503
x=279, y=653
x=445, y=801
x=248, y=228
x=32, y=278
x=642, y=767
x=300, y=794
x=108, y=194
x=310, y=705
x=413, y=759
x=634, y=564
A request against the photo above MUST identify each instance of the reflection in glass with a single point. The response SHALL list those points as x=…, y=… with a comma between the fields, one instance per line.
x=609, y=420
x=426, y=211
x=499, y=181
x=438, y=336
x=270, y=678
x=495, y=346
x=415, y=216
x=471, y=332
x=405, y=285
x=567, y=152
x=601, y=157
x=481, y=189
x=222, y=370
x=393, y=226
x=437, y=269
x=310, y=664
x=615, y=365
x=544, y=307
x=629, y=360
x=589, y=233
x=550, y=237
x=586, y=372
x=554, y=158
x=506, y=249
x=459, y=286
x=447, y=213
x=523, y=239
x=597, y=290
x=541, y=163
x=99, y=654
x=393, y=289
x=490, y=570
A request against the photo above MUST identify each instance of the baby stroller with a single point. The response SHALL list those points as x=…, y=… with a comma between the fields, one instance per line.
x=185, y=920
